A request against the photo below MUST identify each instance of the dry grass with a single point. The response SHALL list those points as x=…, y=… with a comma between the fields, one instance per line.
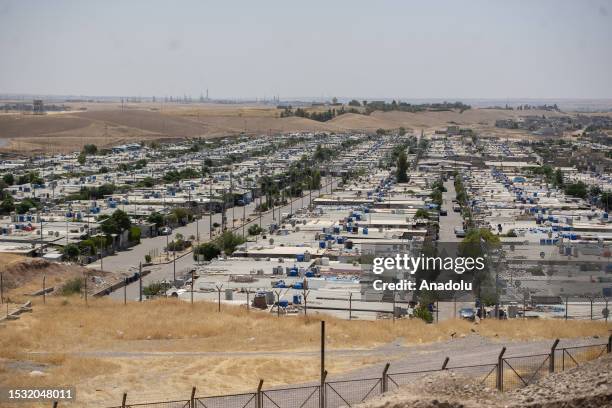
x=170, y=325
x=23, y=276
x=102, y=381
x=157, y=334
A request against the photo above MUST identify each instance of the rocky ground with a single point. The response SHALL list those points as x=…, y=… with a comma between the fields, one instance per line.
x=587, y=386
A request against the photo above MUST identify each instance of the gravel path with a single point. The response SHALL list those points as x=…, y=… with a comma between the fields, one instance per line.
x=469, y=350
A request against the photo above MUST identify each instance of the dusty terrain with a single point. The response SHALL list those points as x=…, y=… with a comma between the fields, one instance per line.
x=23, y=276
x=586, y=386
x=160, y=349
x=106, y=124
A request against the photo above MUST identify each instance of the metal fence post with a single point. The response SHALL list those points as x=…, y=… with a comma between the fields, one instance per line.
x=552, y=356
x=219, y=292
x=385, y=380
x=259, y=396
x=445, y=363
x=610, y=344
x=192, y=399
x=123, y=400
x=500, y=370
x=322, y=396
x=54, y=404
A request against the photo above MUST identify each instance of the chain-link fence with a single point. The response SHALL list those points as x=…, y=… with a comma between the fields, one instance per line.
x=570, y=357
x=162, y=404
x=524, y=370
x=506, y=374
x=298, y=397
x=485, y=374
x=352, y=392
x=397, y=380
x=248, y=400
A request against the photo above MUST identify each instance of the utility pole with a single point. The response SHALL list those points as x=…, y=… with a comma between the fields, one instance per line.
x=140, y=281
x=232, y=195
x=41, y=234
x=260, y=197
x=198, y=227
x=192, y=282
x=291, y=193
x=85, y=274
x=44, y=292
x=223, y=217
x=210, y=211
x=243, y=219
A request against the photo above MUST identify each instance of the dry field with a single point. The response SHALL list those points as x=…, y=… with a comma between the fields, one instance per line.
x=106, y=124
x=159, y=349
x=23, y=276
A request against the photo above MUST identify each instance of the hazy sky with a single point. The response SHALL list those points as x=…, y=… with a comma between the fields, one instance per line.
x=257, y=48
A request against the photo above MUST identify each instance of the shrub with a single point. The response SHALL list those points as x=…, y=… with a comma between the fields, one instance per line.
x=73, y=286
x=134, y=235
x=255, y=229
x=155, y=288
x=423, y=313
x=208, y=250
x=71, y=251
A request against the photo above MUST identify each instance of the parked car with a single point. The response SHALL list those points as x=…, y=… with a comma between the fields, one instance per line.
x=459, y=232
x=467, y=313
x=165, y=231
x=443, y=212
x=456, y=208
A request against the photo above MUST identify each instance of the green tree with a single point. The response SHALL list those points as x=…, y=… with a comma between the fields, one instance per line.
x=558, y=178
x=157, y=219
x=71, y=252
x=422, y=213
x=9, y=179
x=476, y=244
x=578, y=189
x=81, y=159
x=606, y=200
x=90, y=149
x=118, y=222
x=255, y=229
x=134, y=235
x=402, y=168
x=402, y=131
x=122, y=219
x=229, y=241
x=25, y=205
x=7, y=205
x=208, y=250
